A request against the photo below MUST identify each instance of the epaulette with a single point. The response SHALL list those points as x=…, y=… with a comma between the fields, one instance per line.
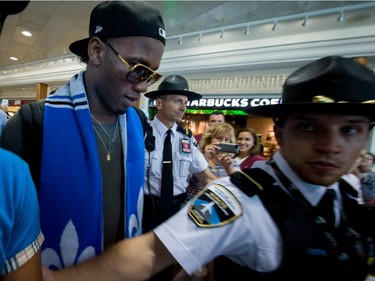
x=252, y=181
x=348, y=188
x=186, y=131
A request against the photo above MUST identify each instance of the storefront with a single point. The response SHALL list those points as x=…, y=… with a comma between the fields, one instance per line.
x=196, y=116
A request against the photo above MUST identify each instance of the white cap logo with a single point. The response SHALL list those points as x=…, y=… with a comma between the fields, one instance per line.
x=162, y=33
x=98, y=29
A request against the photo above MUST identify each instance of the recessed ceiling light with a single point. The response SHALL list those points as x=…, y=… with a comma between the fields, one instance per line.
x=26, y=33
x=13, y=58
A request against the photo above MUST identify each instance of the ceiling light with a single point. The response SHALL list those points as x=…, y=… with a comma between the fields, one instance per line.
x=26, y=33
x=305, y=21
x=341, y=17
x=13, y=58
x=275, y=26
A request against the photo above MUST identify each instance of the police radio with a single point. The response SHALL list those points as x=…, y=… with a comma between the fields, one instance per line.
x=149, y=140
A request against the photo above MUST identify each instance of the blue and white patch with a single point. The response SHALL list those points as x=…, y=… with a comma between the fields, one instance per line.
x=215, y=206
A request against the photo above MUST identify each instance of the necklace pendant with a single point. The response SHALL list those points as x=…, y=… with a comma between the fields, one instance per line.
x=108, y=156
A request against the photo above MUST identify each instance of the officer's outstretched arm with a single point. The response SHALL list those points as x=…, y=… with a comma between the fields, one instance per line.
x=132, y=259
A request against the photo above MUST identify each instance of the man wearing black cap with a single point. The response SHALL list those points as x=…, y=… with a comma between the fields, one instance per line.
x=90, y=164
x=290, y=218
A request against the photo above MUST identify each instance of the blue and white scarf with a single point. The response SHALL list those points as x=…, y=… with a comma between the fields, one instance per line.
x=71, y=180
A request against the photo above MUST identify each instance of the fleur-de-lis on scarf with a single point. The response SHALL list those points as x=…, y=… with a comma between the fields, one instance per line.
x=68, y=255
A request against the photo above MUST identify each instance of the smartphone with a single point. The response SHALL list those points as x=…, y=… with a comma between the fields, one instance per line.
x=229, y=147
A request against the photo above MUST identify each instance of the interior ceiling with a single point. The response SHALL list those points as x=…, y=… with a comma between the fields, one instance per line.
x=55, y=24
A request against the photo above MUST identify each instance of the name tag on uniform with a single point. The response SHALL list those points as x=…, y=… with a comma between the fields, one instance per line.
x=185, y=147
x=215, y=206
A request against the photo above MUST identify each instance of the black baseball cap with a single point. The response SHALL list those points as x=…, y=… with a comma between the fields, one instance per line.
x=119, y=19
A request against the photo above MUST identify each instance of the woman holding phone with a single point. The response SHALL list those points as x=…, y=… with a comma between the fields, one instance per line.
x=220, y=163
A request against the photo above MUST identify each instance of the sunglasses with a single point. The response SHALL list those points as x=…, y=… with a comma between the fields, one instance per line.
x=138, y=72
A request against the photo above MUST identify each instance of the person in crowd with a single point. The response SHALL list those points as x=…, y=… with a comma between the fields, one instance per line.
x=3, y=121
x=171, y=99
x=92, y=156
x=367, y=163
x=367, y=177
x=213, y=118
x=216, y=117
x=368, y=188
x=20, y=233
x=249, y=148
x=220, y=163
x=291, y=217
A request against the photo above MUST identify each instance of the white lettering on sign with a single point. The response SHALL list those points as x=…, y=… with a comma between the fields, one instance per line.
x=257, y=102
x=232, y=103
x=228, y=103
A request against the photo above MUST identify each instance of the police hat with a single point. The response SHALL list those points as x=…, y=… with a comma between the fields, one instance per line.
x=174, y=85
x=331, y=84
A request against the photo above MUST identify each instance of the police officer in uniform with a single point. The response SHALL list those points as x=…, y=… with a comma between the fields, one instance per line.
x=171, y=99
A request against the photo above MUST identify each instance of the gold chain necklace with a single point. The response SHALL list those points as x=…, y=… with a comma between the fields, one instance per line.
x=111, y=140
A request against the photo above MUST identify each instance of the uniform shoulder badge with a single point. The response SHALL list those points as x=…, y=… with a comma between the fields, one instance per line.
x=215, y=206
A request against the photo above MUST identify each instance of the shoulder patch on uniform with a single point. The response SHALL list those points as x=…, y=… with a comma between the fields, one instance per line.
x=215, y=206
